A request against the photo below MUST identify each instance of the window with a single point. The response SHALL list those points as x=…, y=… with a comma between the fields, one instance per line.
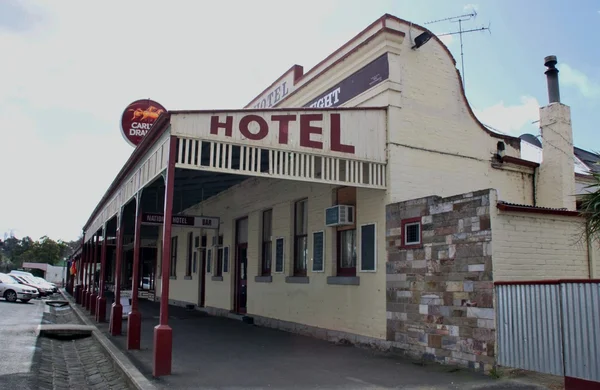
x=173, y=270
x=208, y=260
x=190, y=251
x=267, y=247
x=346, y=252
x=219, y=261
x=300, y=237
x=346, y=235
x=411, y=233
x=368, y=248
x=218, y=256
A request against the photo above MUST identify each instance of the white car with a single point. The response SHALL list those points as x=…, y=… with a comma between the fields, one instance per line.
x=28, y=278
x=11, y=291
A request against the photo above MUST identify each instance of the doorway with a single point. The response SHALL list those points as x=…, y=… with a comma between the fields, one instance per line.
x=241, y=265
x=202, y=273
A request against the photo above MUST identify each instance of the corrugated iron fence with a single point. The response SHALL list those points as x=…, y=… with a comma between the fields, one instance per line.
x=550, y=326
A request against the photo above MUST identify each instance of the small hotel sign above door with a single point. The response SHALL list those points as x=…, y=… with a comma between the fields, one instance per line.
x=182, y=220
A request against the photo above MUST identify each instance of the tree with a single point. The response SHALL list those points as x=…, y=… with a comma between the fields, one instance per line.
x=14, y=252
x=590, y=209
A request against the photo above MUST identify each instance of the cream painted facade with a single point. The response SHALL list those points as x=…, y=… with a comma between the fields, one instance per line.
x=356, y=309
x=538, y=247
x=434, y=146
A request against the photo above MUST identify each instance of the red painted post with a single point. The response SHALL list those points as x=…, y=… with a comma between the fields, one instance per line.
x=163, y=334
x=88, y=292
x=134, y=320
x=116, y=310
x=101, y=301
x=85, y=274
x=81, y=278
x=94, y=296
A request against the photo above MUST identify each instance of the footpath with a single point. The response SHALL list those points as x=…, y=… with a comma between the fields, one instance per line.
x=221, y=353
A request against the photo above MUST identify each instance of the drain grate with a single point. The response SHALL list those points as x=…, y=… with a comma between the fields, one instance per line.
x=65, y=331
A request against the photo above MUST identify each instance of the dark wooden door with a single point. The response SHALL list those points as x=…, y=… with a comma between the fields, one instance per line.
x=241, y=265
x=202, y=274
x=242, y=277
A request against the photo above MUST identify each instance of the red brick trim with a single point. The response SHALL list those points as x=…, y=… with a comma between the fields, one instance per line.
x=536, y=210
x=519, y=161
x=549, y=281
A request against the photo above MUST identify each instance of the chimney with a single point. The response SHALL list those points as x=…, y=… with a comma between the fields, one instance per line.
x=556, y=178
x=552, y=79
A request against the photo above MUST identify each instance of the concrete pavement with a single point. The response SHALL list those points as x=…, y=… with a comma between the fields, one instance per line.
x=215, y=352
x=18, y=324
x=28, y=361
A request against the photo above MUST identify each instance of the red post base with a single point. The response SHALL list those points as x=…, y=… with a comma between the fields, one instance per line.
x=81, y=295
x=163, y=350
x=116, y=319
x=100, y=309
x=77, y=295
x=134, y=330
x=86, y=300
x=572, y=383
x=93, y=299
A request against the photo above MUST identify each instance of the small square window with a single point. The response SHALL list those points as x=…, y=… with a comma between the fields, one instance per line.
x=411, y=233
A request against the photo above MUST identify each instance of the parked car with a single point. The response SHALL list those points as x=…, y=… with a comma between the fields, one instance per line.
x=41, y=282
x=24, y=281
x=11, y=290
x=45, y=283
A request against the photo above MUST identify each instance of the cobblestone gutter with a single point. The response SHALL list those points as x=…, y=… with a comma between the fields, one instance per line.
x=73, y=364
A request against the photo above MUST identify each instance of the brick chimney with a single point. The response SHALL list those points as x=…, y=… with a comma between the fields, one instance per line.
x=556, y=178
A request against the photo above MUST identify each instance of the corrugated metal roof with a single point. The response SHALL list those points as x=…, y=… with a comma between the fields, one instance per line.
x=592, y=160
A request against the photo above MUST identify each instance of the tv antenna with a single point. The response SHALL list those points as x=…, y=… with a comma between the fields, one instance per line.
x=460, y=19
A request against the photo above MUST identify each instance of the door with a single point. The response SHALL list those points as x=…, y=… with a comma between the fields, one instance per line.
x=202, y=276
x=241, y=265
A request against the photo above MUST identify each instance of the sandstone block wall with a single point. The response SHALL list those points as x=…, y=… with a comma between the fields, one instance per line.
x=440, y=294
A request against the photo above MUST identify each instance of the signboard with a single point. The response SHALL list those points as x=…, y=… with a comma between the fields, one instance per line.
x=182, y=220
x=318, y=251
x=137, y=119
x=358, y=133
x=279, y=259
x=360, y=81
x=279, y=90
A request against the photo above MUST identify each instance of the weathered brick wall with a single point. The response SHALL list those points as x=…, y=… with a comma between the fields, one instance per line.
x=440, y=296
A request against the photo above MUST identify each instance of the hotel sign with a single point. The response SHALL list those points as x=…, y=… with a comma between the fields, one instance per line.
x=357, y=133
x=360, y=81
x=278, y=91
x=182, y=220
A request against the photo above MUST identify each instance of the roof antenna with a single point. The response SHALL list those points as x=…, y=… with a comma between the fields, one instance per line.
x=459, y=19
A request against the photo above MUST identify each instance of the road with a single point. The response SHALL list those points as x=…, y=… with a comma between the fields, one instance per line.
x=18, y=322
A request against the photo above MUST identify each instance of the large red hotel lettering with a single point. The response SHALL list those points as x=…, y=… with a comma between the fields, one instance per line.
x=379, y=136
x=311, y=129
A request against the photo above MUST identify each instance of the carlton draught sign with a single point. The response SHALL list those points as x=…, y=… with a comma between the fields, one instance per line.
x=138, y=118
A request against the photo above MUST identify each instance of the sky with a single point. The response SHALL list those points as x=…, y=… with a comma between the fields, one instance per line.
x=68, y=68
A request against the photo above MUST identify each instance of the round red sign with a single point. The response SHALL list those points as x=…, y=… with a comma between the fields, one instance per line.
x=138, y=118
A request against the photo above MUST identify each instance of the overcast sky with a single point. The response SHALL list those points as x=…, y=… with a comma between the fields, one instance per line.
x=69, y=68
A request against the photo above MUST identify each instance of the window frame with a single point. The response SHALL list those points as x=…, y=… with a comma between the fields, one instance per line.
x=346, y=271
x=266, y=244
x=173, y=260
x=300, y=271
x=411, y=221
